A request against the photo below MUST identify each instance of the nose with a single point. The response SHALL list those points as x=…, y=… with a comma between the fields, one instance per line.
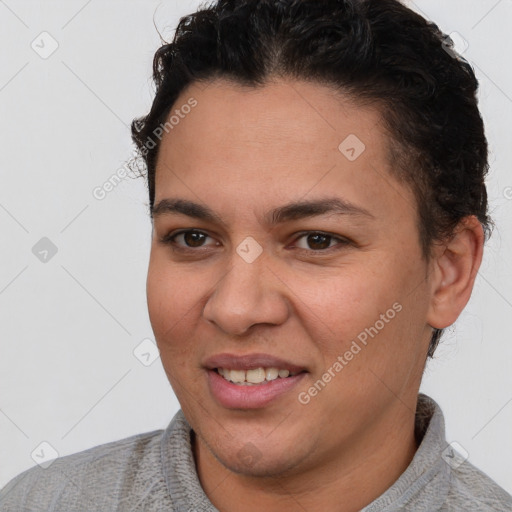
x=247, y=295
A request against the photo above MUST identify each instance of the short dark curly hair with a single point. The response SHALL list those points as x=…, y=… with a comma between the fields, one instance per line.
x=378, y=53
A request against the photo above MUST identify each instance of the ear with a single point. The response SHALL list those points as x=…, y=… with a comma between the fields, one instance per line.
x=454, y=267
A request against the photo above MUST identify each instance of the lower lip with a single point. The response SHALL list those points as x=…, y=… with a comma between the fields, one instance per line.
x=233, y=396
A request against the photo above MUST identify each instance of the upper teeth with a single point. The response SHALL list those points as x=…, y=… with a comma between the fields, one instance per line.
x=255, y=376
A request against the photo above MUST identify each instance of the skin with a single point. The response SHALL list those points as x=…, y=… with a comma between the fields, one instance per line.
x=243, y=152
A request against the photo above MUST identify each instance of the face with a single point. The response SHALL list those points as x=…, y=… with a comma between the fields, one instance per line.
x=280, y=241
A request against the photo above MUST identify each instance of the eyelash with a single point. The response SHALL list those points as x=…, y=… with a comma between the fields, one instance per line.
x=169, y=239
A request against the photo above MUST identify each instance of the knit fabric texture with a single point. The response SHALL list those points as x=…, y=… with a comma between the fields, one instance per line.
x=156, y=471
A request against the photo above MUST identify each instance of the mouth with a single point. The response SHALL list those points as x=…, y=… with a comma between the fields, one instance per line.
x=251, y=381
x=247, y=362
x=254, y=376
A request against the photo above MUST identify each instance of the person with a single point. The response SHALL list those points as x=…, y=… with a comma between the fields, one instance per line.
x=316, y=175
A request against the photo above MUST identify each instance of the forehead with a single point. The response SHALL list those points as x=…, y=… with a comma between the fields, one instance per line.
x=285, y=140
x=300, y=115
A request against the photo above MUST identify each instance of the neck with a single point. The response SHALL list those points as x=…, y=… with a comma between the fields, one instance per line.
x=351, y=479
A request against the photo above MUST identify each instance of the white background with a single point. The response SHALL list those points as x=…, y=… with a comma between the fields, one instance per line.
x=68, y=327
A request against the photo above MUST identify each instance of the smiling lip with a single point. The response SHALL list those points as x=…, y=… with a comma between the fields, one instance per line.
x=250, y=362
x=235, y=396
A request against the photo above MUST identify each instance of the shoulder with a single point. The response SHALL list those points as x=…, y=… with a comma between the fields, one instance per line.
x=94, y=479
x=472, y=490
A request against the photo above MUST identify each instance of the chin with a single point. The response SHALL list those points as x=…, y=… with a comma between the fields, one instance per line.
x=266, y=465
x=259, y=458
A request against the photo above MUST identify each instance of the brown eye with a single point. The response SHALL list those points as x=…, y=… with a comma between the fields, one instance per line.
x=316, y=241
x=194, y=238
x=186, y=239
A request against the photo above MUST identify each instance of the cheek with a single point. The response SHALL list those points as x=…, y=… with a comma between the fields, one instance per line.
x=173, y=300
x=172, y=305
x=367, y=313
x=344, y=303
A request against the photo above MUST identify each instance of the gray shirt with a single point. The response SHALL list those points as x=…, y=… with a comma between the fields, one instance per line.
x=156, y=472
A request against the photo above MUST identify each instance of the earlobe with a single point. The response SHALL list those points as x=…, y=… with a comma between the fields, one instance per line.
x=455, y=266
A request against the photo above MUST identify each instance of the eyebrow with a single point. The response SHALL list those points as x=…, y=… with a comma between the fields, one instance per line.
x=291, y=211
